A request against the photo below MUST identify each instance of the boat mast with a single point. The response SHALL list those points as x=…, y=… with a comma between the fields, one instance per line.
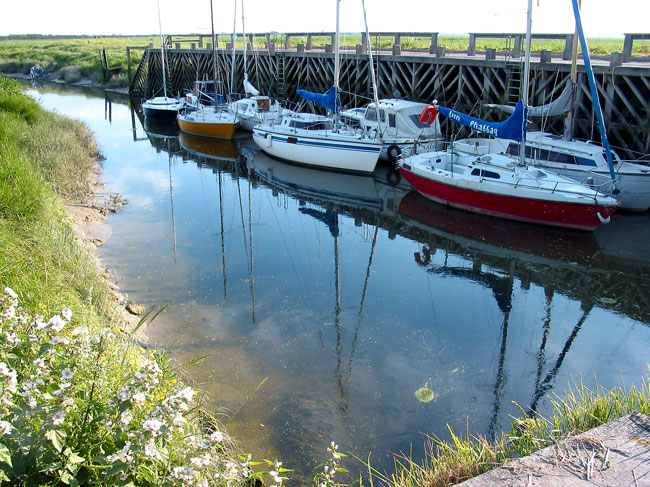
x=529, y=26
x=568, y=129
x=243, y=31
x=375, y=96
x=594, y=91
x=162, y=53
x=337, y=39
x=234, y=38
x=214, y=56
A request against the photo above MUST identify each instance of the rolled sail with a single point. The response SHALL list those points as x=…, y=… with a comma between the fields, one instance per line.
x=514, y=127
x=329, y=100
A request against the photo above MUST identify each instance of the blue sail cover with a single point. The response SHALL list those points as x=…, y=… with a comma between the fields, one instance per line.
x=328, y=100
x=514, y=127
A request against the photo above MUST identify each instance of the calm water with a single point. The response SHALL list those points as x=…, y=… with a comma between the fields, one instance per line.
x=325, y=301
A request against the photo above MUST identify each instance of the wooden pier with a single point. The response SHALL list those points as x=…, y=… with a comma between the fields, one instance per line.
x=467, y=80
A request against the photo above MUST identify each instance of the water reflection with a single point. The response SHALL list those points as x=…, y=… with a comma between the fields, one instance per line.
x=521, y=266
x=342, y=295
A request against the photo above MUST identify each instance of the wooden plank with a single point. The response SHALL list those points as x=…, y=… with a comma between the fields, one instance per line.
x=611, y=455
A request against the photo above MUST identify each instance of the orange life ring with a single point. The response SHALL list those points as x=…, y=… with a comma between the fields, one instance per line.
x=428, y=115
x=427, y=257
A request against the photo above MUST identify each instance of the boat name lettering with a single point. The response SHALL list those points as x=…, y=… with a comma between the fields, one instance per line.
x=454, y=116
x=487, y=129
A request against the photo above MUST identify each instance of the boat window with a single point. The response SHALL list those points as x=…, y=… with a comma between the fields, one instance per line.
x=486, y=174
x=539, y=154
x=320, y=125
x=391, y=120
x=415, y=119
x=371, y=114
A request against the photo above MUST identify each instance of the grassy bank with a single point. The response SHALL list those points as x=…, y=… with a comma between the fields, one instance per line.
x=80, y=402
x=581, y=409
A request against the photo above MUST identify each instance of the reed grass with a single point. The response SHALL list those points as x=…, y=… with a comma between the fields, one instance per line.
x=465, y=456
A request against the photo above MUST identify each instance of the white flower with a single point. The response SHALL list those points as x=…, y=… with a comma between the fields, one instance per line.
x=11, y=293
x=200, y=461
x=125, y=418
x=39, y=323
x=59, y=339
x=58, y=418
x=31, y=402
x=152, y=425
x=80, y=330
x=4, y=370
x=67, y=373
x=66, y=313
x=10, y=313
x=217, y=436
x=150, y=449
x=139, y=397
x=140, y=376
x=187, y=394
x=68, y=401
x=57, y=323
x=178, y=420
x=5, y=427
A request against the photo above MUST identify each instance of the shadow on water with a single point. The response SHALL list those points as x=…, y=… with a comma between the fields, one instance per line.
x=343, y=294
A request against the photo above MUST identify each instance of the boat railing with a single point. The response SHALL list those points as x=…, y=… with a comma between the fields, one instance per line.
x=596, y=191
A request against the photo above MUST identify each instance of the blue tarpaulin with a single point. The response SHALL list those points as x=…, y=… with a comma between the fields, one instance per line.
x=328, y=100
x=514, y=127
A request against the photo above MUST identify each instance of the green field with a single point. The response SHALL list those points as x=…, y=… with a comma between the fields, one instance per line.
x=76, y=58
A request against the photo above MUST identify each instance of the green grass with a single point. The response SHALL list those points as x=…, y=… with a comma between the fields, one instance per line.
x=581, y=409
x=82, y=402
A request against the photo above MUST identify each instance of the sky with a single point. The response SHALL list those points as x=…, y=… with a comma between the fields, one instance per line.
x=130, y=17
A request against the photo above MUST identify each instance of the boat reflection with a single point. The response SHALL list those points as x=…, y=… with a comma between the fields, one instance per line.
x=217, y=149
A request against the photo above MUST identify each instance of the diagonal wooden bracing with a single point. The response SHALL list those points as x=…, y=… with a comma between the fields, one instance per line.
x=464, y=84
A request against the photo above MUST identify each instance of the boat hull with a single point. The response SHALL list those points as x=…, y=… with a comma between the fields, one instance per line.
x=634, y=188
x=578, y=216
x=341, y=154
x=218, y=130
x=166, y=115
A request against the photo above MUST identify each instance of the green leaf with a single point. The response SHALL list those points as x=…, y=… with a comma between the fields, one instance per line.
x=5, y=455
x=52, y=467
x=117, y=467
x=341, y=469
x=57, y=437
x=146, y=473
x=74, y=458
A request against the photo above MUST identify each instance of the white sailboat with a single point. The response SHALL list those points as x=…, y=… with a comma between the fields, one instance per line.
x=317, y=140
x=162, y=107
x=500, y=185
x=254, y=108
x=588, y=163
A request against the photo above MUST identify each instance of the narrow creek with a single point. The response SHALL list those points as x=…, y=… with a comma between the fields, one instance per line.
x=324, y=301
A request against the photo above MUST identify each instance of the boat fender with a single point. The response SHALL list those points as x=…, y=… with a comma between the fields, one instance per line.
x=267, y=140
x=603, y=220
x=428, y=115
x=427, y=257
x=393, y=177
x=393, y=152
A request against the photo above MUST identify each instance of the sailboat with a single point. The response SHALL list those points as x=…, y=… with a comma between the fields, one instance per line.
x=499, y=185
x=253, y=108
x=585, y=162
x=318, y=140
x=162, y=107
x=213, y=120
